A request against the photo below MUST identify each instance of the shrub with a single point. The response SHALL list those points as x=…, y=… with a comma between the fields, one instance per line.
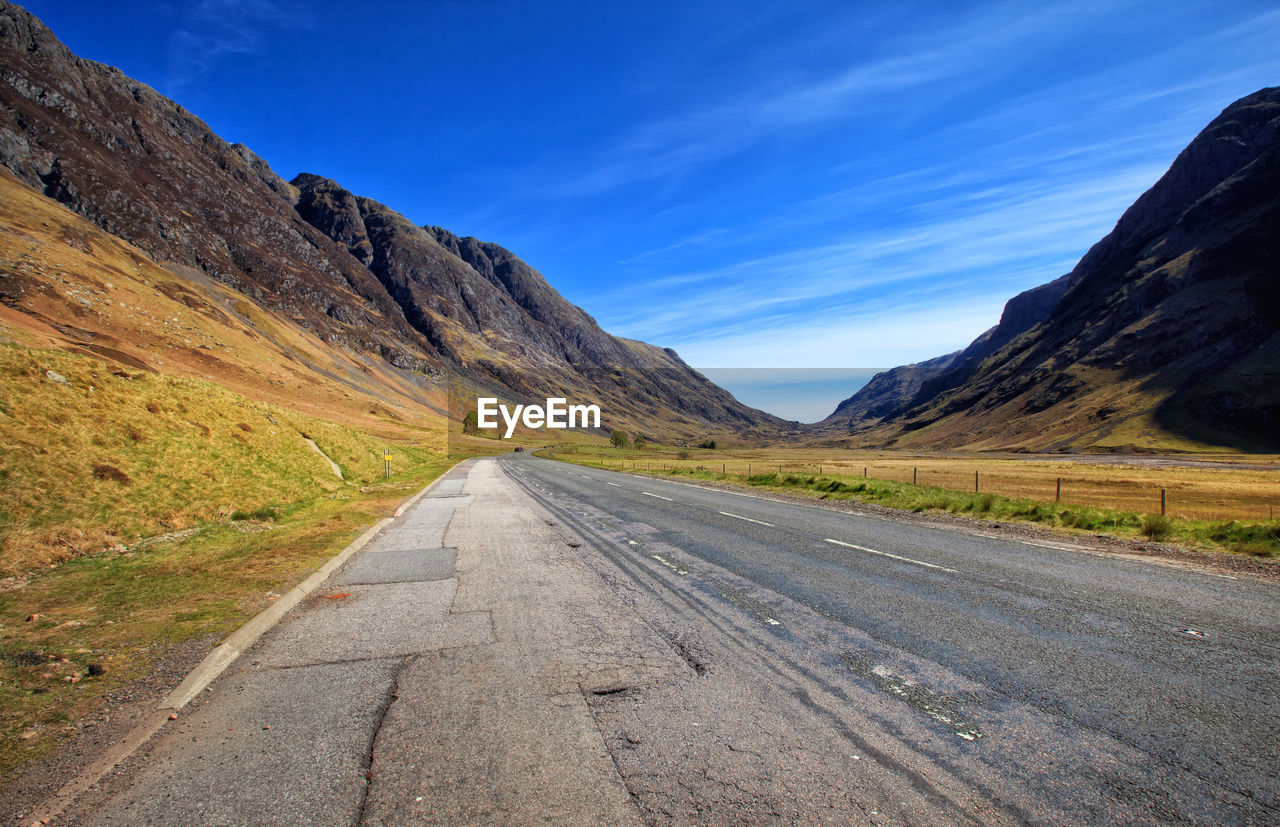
x=1156, y=526
x=1079, y=519
x=264, y=512
x=1255, y=549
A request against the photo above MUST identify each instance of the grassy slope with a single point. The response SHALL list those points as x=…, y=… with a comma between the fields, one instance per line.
x=109, y=456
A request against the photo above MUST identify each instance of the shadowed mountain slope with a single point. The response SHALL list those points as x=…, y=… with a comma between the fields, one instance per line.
x=1164, y=335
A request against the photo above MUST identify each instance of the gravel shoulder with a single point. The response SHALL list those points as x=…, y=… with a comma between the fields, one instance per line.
x=117, y=715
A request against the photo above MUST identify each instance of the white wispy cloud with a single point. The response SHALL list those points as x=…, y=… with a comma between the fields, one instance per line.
x=911, y=264
x=214, y=29
x=672, y=146
x=1013, y=237
x=900, y=336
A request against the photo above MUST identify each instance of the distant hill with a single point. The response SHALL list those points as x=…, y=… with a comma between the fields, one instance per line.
x=353, y=273
x=1164, y=335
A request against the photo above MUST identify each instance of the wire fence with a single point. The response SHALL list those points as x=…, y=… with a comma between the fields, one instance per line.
x=1196, y=494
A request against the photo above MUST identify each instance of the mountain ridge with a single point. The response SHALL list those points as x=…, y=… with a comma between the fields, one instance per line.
x=1166, y=329
x=352, y=271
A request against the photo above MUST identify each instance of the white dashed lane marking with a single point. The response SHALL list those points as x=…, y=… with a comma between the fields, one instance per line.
x=614, y=484
x=893, y=556
x=657, y=496
x=748, y=519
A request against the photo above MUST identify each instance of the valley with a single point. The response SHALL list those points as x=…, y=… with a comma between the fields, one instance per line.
x=213, y=380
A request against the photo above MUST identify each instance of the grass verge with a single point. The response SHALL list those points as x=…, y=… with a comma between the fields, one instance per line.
x=96, y=623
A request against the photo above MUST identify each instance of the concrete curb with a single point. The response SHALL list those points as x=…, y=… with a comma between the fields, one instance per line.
x=226, y=652
x=214, y=664
x=405, y=506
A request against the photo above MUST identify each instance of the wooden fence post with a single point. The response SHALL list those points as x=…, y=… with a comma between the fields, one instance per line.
x=915, y=476
x=1058, y=498
x=975, y=482
x=1164, y=502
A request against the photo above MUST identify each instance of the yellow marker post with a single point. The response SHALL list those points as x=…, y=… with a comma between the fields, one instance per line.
x=386, y=463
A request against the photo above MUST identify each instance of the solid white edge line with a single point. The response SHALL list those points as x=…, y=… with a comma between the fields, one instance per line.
x=658, y=496
x=887, y=554
x=748, y=519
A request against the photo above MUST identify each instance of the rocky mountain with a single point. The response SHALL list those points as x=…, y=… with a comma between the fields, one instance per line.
x=900, y=388
x=1165, y=335
x=350, y=271
x=884, y=395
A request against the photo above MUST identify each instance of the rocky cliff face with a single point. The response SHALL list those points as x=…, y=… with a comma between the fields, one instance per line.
x=489, y=312
x=356, y=273
x=144, y=169
x=1166, y=330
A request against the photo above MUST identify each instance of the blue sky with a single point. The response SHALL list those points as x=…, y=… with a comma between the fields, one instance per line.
x=779, y=185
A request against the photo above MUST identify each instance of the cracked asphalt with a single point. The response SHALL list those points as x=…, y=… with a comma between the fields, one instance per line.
x=535, y=642
x=850, y=667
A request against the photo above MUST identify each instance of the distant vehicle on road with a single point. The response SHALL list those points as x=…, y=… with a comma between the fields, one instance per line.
x=519, y=449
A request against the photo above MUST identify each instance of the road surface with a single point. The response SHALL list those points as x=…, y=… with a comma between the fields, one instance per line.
x=539, y=642
x=1056, y=685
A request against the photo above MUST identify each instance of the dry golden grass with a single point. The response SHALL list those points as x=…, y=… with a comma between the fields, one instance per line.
x=183, y=400
x=107, y=456
x=1221, y=487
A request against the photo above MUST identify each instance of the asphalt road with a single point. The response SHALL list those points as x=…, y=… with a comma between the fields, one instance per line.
x=534, y=642
x=431, y=680
x=994, y=679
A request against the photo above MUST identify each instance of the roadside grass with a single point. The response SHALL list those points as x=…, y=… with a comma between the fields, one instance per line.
x=99, y=622
x=139, y=511
x=1258, y=539
x=1219, y=487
